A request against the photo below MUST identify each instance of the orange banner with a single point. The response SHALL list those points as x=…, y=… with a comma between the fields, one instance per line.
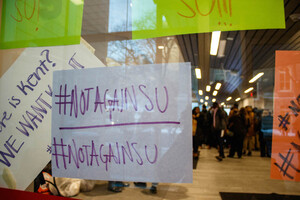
x=285, y=163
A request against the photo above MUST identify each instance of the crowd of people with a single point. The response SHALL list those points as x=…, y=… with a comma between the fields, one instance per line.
x=242, y=130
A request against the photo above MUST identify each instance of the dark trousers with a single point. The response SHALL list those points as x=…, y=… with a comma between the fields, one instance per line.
x=262, y=147
x=220, y=142
x=236, y=146
x=212, y=139
x=195, y=143
x=206, y=133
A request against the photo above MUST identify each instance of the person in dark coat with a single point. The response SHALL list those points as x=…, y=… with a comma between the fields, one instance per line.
x=205, y=124
x=218, y=127
x=238, y=125
x=196, y=116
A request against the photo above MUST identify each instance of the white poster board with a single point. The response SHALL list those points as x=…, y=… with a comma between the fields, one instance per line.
x=130, y=123
x=25, y=109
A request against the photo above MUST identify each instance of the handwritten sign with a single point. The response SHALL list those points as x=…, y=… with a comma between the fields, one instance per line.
x=40, y=23
x=123, y=123
x=25, y=110
x=174, y=17
x=286, y=122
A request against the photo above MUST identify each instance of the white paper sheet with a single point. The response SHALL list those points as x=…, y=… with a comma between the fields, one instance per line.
x=26, y=90
x=130, y=123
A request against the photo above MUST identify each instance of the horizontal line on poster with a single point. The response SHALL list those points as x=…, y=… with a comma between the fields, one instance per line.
x=121, y=124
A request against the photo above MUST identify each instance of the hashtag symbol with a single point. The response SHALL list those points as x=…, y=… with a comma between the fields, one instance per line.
x=287, y=162
x=59, y=152
x=49, y=149
x=73, y=63
x=284, y=121
x=63, y=99
x=296, y=146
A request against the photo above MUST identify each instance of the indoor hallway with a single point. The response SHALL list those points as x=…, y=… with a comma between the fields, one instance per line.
x=232, y=175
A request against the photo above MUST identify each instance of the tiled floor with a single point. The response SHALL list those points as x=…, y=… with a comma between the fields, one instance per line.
x=247, y=175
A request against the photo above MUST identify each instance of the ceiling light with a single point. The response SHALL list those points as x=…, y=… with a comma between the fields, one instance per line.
x=201, y=101
x=248, y=90
x=160, y=47
x=222, y=104
x=208, y=87
x=213, y=100
x=206, y=103
x=218, y=86
x=215, y=39
x=229, y=98
x=206, y=97
x=198, y=73
x=215, y=93
x=200, y=92
x=256, y=77
x=222, y=46
x=238, y=99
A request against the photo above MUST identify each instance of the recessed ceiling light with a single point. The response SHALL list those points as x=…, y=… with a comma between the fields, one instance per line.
x=229, y=98
x=214, y=45
x=249, y=90
x=218, y=86
x=198, y=73
x=208, y=87
x=256, y=77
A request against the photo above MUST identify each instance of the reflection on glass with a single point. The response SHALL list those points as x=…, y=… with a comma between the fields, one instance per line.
x=132, y=52
x=119, y=16
x=135, y=52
